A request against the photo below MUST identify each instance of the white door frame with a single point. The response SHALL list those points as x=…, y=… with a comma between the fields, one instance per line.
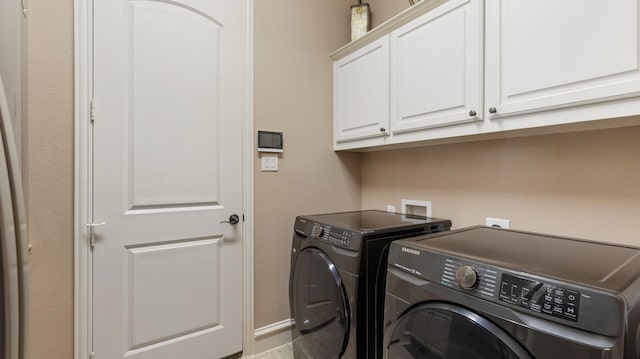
x=82, y=178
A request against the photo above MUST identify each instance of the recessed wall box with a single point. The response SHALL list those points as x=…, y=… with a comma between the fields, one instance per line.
x=270, y=141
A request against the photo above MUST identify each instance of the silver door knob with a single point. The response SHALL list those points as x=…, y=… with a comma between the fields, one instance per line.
x=472, y=113
x=492, y=110
x=233, y=219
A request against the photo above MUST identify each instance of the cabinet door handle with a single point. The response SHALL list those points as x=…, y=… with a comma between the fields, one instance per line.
x=382, y=129
x=492, y=110
x=472, y=113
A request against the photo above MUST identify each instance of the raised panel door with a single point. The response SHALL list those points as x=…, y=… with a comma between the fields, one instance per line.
x=167, y=170
x=436, y=68
x=361, y=93
x=544, y=55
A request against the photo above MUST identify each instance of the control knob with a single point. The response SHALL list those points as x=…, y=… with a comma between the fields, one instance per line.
x=320, y=232
x=466, y=276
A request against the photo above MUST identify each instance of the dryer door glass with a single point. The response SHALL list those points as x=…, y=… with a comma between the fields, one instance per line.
x=320, y=308
x=440, y=330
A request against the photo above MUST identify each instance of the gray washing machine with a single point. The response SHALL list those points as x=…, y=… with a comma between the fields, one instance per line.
x=338, y=265
x=483, y=292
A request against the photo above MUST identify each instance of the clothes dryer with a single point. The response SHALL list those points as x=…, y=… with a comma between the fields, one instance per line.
x=338, y=265
x=483, y=292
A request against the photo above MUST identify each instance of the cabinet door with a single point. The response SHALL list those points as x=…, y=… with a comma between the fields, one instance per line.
x=361, y=93
x=548, y=54
x=436, y=68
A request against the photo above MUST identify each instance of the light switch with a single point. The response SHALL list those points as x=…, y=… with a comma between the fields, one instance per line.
x=269, y=163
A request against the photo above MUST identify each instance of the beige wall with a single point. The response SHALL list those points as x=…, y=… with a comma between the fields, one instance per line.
x=383, y=10
x=293, y=94
x=49, y=181
x=578, y=184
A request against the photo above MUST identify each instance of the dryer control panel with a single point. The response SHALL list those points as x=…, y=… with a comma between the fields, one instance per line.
x=334, y=236
x=325, y=233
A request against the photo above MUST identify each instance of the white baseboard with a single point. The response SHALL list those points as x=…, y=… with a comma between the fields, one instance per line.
x=272, y=336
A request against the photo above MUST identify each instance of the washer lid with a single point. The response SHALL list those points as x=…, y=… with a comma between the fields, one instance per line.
x=601, y=265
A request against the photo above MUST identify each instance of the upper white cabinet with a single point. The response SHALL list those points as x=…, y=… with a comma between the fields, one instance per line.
x=461, y=68
x=361, y=93
x=547, y=54
x=436, y=68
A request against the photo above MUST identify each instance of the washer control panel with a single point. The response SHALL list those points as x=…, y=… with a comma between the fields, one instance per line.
x=539, y=297
x=567, y=302
x=483, y=279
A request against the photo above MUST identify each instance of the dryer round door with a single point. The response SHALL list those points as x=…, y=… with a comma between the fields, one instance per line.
x=439, y=330
x=320, y=307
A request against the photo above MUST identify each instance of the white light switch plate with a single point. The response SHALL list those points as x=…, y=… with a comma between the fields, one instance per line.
x=269, y=163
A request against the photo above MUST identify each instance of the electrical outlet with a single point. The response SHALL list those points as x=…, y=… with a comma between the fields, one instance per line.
x=391, y=209
x=498, y=222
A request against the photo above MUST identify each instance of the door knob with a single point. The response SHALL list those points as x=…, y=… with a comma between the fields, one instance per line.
x=233, y=219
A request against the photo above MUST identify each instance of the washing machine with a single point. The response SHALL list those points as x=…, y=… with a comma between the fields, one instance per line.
x=484, y=292
x=336, y=286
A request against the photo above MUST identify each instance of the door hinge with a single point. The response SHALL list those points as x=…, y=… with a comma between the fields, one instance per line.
x=92, y=111
x=92, y=235
x=92, y=355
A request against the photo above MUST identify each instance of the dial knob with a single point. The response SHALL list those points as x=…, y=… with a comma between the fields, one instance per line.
x=320, y=232
x=466, y=277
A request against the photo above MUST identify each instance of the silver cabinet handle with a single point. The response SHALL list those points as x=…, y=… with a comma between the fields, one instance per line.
x=92, y=225
x=492, y=110
x=472, y=113
x=24, y=8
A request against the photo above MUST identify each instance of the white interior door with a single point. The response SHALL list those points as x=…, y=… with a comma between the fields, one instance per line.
x=167, y=137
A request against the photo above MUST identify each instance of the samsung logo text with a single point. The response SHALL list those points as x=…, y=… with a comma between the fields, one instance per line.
x=411, y=251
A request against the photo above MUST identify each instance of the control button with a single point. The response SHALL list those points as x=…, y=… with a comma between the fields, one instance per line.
x=549, y=290
x=570, y=310
x=558, y=301
x=466, y=277
x=559, y=292
x=558, y=310
x=548, y=298
x=535, y=307
x=572, y=297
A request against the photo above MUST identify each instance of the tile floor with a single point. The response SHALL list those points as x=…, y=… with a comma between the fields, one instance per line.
x=282, y=352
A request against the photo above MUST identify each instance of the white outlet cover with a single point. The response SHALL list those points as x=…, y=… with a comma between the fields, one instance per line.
x=391, y=209
x=416, y=203
x=498, y=222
